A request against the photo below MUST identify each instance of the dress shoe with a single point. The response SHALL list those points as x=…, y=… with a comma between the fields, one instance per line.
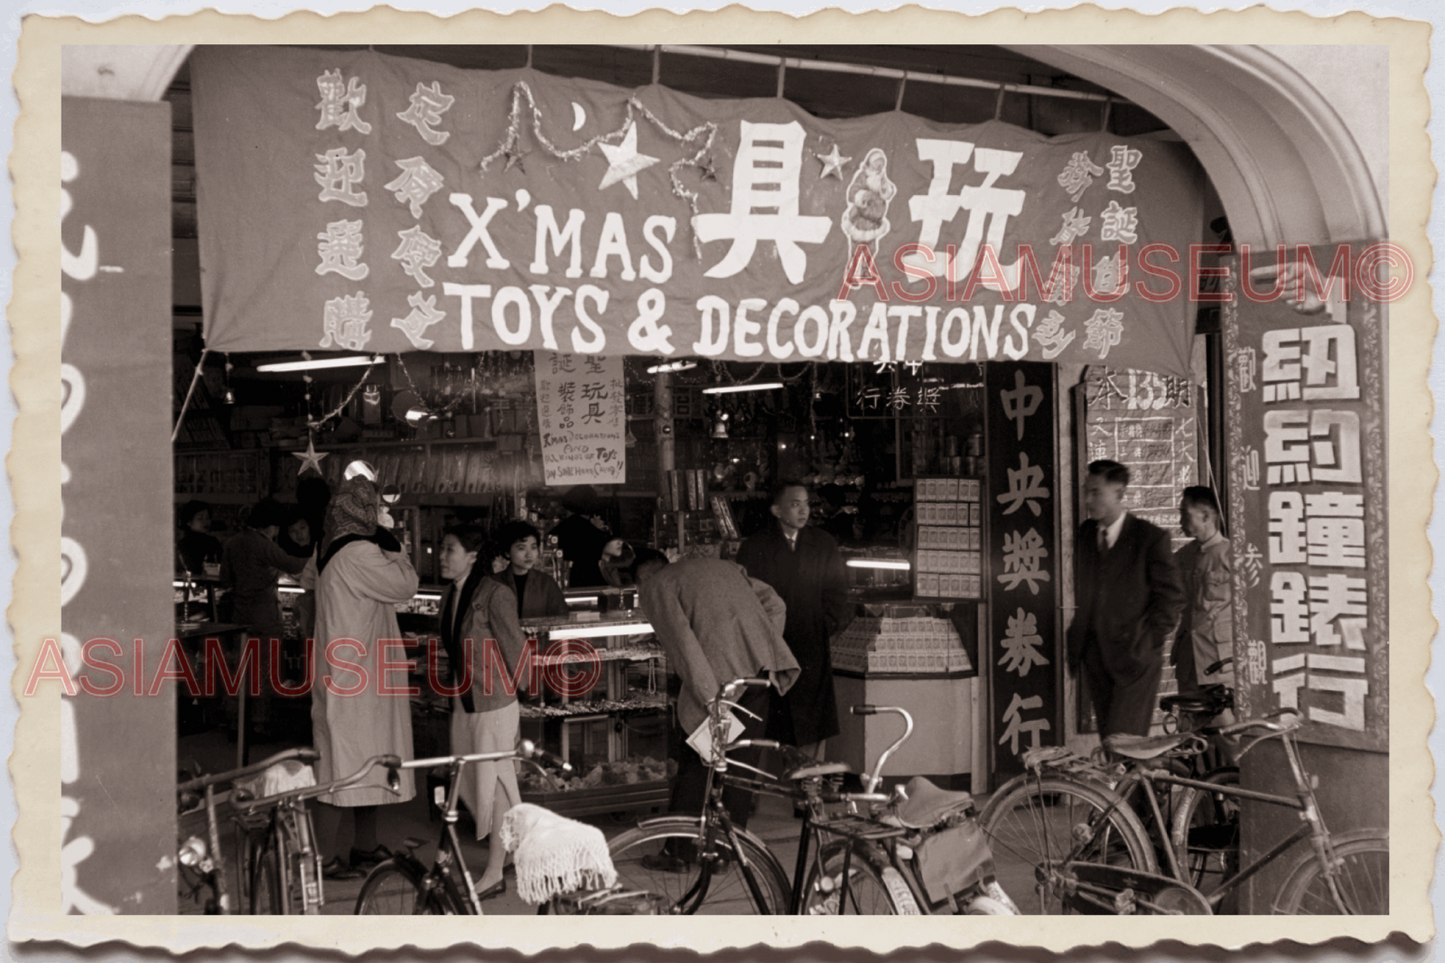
x=663, y=863
x=334, y=868
x=367, y=858
x=496, y=889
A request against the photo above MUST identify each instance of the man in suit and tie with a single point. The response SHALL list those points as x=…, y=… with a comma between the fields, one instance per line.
x=1128, y=596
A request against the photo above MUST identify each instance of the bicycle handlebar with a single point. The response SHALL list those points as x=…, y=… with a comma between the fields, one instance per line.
x=526, y=750
x=1272, y=727
x=871, y=782
x=305, y=754
x=311, y=792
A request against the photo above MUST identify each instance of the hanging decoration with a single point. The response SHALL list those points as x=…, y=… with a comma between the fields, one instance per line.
x=310, y=458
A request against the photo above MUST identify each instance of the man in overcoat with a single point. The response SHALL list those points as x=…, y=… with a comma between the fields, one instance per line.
x=803, y=566
x=1128, y=595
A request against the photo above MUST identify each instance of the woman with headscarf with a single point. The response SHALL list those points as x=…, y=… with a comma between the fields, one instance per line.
x=478, y=612
x=362, y=575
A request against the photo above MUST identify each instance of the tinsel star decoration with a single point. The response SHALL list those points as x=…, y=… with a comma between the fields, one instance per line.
x=310, y=458
x=832, y=163
x=624, y=162
x=514, y=155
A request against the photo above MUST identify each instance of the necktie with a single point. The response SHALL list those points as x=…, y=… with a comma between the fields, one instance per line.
x=1103, y=540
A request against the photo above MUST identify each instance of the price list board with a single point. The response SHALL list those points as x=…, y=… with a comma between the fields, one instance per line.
x=948, y=538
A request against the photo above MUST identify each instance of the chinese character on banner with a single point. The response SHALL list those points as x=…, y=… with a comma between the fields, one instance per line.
x=1023, y=556
x=1078, y=174
x=1311, y=445
x=1310, y=364
x=1025, y=484
x=1104, y=329
x=423, y=315
x=417, y=183
x=1120, y=223
x=344, y=320
x=427, y=106
x=1014, y=723
x=339, y=248
x=1122, y=161
x=1021, y=644
x=337, y=172
x=1075, y=225
x=768, y=178
x=417, y=250
x=339, y=102
x=1021, y=402
x=989, y=206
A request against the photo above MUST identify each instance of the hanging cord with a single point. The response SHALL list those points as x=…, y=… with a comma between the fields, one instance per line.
x=185, y=405
x=782, y=74
x=656, y=63
x=529, y=56
x=902, y=85
x=1108, y=108
x=998, y=104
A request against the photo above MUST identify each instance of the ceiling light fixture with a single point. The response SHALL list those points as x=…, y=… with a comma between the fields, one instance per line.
x=734, y=389
x=672, y=366
x=312, y=365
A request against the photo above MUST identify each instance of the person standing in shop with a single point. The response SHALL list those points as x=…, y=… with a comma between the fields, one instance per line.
x=538, y=594
x=1128, y=596
x=582, y=535
x=803, y=566
x=250, y=564
x=715, y=624
x=479, y=611
x=362, y=576
x=197, y=545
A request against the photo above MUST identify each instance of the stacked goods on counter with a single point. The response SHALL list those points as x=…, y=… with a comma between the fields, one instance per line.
x=622, y=772
x=915, y=644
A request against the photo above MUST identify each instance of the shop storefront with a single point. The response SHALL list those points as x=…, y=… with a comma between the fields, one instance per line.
x=680, y=301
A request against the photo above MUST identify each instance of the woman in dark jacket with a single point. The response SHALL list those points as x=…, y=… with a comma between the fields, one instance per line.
x=485, y=716
x=538, y=594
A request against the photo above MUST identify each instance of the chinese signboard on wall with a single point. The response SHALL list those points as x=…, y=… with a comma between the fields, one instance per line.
x=1024, y=551
x=406, y=205
x=1309, y=527
x=581, y=401
x=116, y=805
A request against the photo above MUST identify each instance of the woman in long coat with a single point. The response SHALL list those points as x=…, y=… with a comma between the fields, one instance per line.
x=485, y=717
x=362, y=576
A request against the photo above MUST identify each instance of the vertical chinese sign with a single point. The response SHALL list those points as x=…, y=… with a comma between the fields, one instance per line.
x=116, y=804
x=1024, y=551
x=1308, y=514
x=581, y=410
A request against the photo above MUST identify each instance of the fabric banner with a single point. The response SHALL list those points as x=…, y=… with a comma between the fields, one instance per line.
x=1021, y=500
x=362, y=202
x=117, y=804
x=581, y=412
x=1308, y=519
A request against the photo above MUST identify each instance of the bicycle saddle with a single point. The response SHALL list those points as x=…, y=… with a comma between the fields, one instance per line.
x=927, y=804
x=818, y=769
x=1211, y=700
x=1142, y=747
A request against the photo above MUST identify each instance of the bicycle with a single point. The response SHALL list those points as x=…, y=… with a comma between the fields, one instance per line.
x=1098, y=857
x=280, y=859
x=204, y=856
x=403, y=885
x=868, y=863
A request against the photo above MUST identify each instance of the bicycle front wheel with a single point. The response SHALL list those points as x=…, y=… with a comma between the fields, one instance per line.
x=711, y=887
x=1362, y=883
x=1036, y=825
x=394, y=888
x=868, y=892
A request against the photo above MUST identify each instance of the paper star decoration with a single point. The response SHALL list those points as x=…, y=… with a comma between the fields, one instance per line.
x=832, y=163
x=624, y=162
x=310, y=458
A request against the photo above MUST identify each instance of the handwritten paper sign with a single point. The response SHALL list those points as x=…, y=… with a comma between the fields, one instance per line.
x=580, y=401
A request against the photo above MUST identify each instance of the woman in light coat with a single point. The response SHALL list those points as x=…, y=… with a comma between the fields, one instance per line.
x=485, y=716
x=357, y=711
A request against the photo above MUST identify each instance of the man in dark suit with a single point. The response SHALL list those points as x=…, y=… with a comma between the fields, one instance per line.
x=1128, y=595
x=803, y=566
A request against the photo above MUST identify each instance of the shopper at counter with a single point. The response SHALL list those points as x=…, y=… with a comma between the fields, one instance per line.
x=715, y=624
x=197, y=546
x=802, y=564
x=582, y=536
x=538, y=594
x=1128, y=596
x=478, y=610
x=250, y=564
x=362, y=576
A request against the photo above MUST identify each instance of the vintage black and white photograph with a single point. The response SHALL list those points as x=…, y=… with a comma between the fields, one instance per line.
x=604, y=471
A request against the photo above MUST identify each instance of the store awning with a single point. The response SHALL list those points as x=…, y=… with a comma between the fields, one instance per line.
x=357, y=201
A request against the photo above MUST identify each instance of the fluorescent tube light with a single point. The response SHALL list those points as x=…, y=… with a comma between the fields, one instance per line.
x=878, y=563
x=304, y=365
x=672, y=366
x=734, y=389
